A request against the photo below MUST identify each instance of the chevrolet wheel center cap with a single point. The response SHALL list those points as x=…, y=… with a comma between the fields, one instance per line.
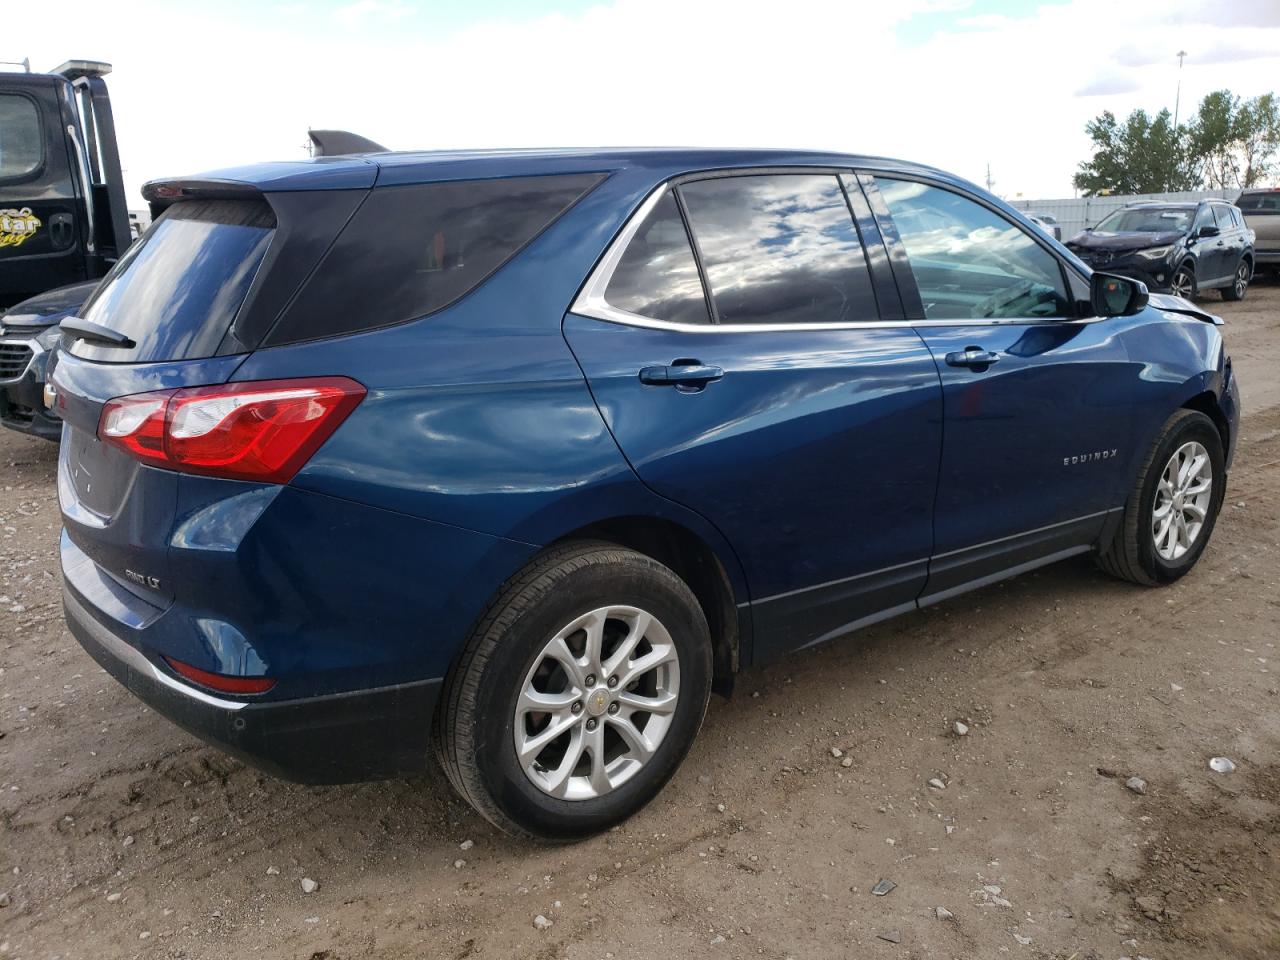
x=598, y=702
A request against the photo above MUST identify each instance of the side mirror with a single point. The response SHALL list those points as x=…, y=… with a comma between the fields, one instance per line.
x=1113, y=296
x=1208, y=231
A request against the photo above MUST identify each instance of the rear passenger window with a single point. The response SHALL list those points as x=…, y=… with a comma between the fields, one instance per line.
x=780, y=248
x=410, y=251
x=657, y=276
x=969, y=262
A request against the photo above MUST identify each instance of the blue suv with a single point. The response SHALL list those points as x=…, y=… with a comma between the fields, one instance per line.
x=514, y=457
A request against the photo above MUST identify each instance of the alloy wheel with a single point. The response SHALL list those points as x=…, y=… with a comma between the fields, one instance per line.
x=1183, y=497
x=597, y=703
x=1182, y=285
x=1242, y=280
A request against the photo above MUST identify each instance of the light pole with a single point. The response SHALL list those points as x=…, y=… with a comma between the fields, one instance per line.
x=1177, y=98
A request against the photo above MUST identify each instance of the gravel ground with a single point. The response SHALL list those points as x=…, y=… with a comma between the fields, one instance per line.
x=121, y=836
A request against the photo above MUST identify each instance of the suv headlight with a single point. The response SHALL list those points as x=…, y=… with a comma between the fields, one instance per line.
x=1155, y=253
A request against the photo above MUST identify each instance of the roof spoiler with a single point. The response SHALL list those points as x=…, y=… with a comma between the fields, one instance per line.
x=161, y=194
x=75, y=69
x=337, y=143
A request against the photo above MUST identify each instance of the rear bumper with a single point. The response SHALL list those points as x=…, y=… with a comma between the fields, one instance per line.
x=339, y=738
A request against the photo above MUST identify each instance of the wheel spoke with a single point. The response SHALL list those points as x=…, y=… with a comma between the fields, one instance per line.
x=595, y=639
x=535, y=701
x=656, y=657
x=637, y=743
x=638, y=627
x=663, y=704
x=594, y=742
x=558, y=650
x=532, y=746
x=1193, y=472
x=1195, y=510
x=556, y=781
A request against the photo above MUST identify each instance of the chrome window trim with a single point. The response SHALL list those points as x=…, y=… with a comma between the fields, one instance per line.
x=591, y=301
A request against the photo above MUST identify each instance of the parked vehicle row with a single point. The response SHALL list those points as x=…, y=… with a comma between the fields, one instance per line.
x=515, y=456
x=1183, y=248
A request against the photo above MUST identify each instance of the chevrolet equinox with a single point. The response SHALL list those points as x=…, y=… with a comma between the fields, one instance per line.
x=511, y=458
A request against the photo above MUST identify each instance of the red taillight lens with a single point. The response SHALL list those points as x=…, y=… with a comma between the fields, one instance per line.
x=221, y=681
x=261, y=430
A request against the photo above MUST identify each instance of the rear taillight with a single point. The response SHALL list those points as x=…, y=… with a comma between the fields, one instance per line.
x=260, y=430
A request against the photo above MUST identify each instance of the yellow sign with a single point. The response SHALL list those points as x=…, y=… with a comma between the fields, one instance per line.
x=17, y=226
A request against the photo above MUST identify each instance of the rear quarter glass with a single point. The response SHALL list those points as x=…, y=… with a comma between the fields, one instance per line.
x=176, y=292
x=412, y=250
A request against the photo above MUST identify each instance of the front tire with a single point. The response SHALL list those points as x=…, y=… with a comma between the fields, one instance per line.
x=1183, y=283
x=1173, y=506
x=578, y=694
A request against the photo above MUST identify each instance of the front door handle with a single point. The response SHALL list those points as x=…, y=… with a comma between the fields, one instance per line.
x=680, y=375
x=972, y=357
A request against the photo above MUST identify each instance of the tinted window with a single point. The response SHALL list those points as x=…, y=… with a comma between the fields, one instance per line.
x=410, y=251
x=657, y=276
x=969, y=262
x=1260, y=202
x=1204, y=218
x=1145, y=220
x=780, y=249
x=1223, y=216
x=176, y=291
x=21, y=140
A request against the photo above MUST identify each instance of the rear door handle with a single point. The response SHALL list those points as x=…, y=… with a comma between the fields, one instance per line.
x=972, y=357
x=680, y=375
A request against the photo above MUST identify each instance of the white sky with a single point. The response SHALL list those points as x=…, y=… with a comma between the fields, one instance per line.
x=955, y=83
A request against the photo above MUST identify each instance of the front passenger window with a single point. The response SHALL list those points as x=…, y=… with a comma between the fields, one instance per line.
x=969, y=262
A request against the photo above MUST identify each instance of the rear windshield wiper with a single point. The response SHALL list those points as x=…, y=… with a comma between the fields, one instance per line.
x=88, y=330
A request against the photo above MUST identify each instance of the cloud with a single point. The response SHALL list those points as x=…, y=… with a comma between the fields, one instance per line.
x=1109, y=84
x=362, y=11
x=1015, y=94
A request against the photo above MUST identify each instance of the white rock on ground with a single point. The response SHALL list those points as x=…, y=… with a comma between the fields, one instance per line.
x=309, y=885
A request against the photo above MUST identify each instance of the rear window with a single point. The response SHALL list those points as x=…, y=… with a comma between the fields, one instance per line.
x=177, y=290
x=780, y=248
x=21, y=142
x=410, y=251
x=1260, y=202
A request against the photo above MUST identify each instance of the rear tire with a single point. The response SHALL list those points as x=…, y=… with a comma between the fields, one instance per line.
x=1239, y=283
x=533, y=646
x=1150, y=548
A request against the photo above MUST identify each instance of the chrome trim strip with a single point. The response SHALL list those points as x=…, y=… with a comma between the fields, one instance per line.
x=840, y=580
x=134, y=659
x=1024, y=533
x=36, y=350
x=591, y=301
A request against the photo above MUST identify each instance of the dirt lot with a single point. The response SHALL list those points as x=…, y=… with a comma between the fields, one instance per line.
x=123, y=836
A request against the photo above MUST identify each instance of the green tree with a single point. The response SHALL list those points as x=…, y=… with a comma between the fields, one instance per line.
x=1142, y=155
x=1211, y=137
x=1258, y=136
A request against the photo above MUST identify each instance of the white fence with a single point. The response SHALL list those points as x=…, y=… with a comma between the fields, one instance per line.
x=1074, y=215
